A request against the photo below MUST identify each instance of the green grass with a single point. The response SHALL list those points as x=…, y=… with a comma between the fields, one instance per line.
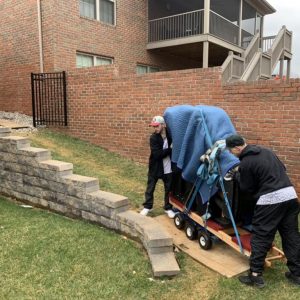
x=47, y=256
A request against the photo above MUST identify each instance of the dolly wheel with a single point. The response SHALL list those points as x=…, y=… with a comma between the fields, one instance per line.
x=204, y=241
x=179, y=221
x=190, y=231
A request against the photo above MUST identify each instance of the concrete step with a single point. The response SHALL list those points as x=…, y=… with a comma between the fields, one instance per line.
x=39, y=154
x=164, y=264
x=89, y=184
x=56, y=165
x=108, y=199
x=14, y=143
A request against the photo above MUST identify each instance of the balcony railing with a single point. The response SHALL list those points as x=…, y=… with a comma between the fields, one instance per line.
x=223, y=28
x=267, y=42
x=192, y=23
x=259, y=59
x=176, y=26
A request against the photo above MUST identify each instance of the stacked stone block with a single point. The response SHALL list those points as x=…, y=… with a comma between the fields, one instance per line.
x=30, y=175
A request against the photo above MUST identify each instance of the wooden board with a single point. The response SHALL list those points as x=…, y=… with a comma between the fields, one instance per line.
x=220, y=258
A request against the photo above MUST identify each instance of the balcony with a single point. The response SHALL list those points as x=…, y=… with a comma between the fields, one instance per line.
x=202, y=32
x=177, y=26
x=192, y=24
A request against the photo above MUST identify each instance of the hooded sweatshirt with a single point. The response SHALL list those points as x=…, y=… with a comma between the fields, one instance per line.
x=264, y=176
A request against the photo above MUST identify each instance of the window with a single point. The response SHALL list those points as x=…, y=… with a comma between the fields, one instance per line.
x=83, y=61
x=100, y=10
x=143, y=69
x=87, y=60
x=107, y=11
x=88, y=8
x=103, y=61
x=249, y=16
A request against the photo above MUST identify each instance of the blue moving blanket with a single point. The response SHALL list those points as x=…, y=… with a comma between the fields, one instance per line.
x=190, y=140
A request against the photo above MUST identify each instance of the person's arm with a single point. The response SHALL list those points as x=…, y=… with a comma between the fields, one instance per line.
x=156, y=149
x=243, y=175
x=283, y=165
x=246, y=179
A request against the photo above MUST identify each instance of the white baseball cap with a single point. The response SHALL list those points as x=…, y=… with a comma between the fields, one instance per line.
x=157, y=120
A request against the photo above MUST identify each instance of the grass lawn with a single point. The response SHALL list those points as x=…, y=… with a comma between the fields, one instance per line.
x=47, y=256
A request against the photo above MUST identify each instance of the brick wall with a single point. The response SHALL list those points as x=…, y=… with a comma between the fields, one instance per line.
x=113, y=111
x=268, y=113
x=19, y=53
x=65, y=32
x=126, y=42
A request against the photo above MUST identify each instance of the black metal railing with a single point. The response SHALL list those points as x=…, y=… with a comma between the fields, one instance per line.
x=49, y=99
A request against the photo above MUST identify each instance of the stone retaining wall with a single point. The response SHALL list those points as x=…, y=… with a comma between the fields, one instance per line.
x=30, y=175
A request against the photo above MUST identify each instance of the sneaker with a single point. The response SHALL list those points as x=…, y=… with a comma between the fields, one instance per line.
x=145, y=211
x=252, y=280
x=292, y=278
x=171, y=214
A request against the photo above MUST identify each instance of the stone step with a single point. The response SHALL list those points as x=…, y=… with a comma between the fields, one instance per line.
x=155, y=236
x=13, y=143
x=133, y=219
x=108, y=199
x=39, y=154
x=164, y=264
x=89, y=184
x=151, y=232
x=56, y=165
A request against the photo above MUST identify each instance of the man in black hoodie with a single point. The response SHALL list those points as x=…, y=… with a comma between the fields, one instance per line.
x=159, y=165
x=262, y=174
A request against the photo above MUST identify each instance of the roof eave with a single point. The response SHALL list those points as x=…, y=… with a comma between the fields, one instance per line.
x=264, y=7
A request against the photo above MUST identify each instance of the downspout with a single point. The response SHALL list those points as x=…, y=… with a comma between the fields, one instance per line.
x=40, y=36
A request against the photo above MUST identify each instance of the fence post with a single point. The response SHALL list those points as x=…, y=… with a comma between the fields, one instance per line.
x=65, y=98
x=33, y=100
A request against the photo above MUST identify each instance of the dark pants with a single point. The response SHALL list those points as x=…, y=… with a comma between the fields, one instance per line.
x=266, y=221
x=167, y=180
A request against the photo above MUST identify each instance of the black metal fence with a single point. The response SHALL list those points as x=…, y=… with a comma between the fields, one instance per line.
x=49, y=99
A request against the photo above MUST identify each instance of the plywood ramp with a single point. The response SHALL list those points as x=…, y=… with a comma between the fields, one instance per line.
x=220, y=258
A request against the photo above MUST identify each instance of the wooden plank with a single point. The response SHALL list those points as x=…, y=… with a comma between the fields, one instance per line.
x=224, y=236
x=221, y=258
x=230, y=231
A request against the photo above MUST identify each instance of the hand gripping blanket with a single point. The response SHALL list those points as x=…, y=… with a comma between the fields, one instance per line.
x=191, y=140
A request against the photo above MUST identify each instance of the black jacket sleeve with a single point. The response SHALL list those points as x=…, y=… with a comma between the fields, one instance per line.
x=157, y=152
x=246, y=179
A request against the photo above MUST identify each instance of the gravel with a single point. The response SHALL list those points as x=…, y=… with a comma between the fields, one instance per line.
x=19, y=119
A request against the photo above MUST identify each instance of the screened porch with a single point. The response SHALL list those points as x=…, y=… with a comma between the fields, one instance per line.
x=233, y=21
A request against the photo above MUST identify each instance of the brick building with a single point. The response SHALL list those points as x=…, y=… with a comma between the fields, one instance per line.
x=53, y=35
x=138, y=36
x=116, y=38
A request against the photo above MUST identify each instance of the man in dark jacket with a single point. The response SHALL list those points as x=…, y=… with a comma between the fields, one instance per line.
x=262, y=174
x=159, y=165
